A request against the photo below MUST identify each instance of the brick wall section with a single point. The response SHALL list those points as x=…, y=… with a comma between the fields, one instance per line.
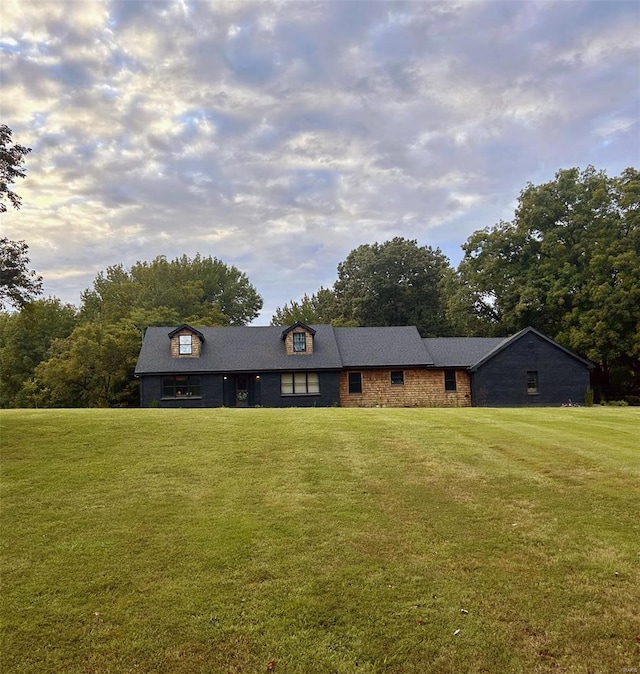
x=288, y=343
x=195, y=345
x=421, y=388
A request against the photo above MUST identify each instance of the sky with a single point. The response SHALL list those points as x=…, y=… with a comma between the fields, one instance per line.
x=279, y=136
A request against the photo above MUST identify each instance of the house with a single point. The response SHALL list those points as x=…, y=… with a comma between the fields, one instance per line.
x=323, y=366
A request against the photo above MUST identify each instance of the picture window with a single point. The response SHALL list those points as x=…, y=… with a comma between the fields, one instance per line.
x=180, y=386
x=299, y=383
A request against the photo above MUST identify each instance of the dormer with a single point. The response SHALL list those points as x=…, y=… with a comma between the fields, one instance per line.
x=298, y=339
x=186, y=342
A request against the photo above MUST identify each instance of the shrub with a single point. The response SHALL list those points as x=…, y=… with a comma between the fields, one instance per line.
x=588, y=397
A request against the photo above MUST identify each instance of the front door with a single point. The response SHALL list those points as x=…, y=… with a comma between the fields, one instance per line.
x=242, y=391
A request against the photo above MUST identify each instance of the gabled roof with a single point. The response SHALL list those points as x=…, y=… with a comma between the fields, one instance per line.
x=460, y=351
x=237, y=349
x=382, y=347
x=298, y=324
x=184, y=326
x=519, y=335
x=260, y=349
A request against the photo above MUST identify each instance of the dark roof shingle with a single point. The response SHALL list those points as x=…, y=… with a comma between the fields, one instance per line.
x=382, y=347
x=460, y=351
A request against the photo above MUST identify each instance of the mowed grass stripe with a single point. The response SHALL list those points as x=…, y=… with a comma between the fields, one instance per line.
x=326, y=540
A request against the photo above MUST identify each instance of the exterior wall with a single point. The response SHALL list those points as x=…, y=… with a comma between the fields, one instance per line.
x=211, y=389
x=217, y=391
x=502, y=380
x=196, y=345
x=288, y=343
x=329, y=395
x=422, y=388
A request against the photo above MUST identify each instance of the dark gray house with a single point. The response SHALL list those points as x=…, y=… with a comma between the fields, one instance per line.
x=324, y=366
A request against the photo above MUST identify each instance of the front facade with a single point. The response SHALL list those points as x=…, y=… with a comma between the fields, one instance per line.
x=323, y=366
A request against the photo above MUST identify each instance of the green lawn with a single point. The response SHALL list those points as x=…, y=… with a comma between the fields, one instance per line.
x=324, y=540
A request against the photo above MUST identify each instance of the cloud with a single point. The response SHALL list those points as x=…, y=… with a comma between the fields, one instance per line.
x=280, y=136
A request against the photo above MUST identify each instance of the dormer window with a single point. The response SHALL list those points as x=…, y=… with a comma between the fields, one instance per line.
x=186, y=342
x=185, y=346
x=299, y=342
x=298, y=339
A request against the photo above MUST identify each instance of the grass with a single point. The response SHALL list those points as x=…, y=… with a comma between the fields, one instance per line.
x=304, y=541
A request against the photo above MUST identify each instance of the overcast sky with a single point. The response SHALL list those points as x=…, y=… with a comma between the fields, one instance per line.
x=278, y=137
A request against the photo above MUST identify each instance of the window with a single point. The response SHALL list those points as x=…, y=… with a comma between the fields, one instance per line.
x=532, y=382
x=185, y=348
x=355, y=382
x=449, y=380
x=299, y=383
x=180, y=385
x=299, y=342
x=397, y=377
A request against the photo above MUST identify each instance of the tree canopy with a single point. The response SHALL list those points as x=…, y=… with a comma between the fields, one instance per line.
x=394, y=283
x=18, y=284
x=11, y=167
x=26, y=337
x=93, y=367
x=202, y=290
x=318, y=308
x=568, y=264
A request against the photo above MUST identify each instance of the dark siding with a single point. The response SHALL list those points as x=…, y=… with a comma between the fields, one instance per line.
x=218, y=392
x=329, y=392
x=210, y=389
x=502, y=380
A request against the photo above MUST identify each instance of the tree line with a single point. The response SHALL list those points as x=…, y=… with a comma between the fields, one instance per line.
x=568, y=264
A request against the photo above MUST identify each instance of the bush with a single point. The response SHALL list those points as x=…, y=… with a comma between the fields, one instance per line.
x=588, y=397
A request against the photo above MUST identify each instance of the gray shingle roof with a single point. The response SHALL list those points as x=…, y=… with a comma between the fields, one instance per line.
x=256, y=349
x=380, y=347
x=238, y=349
x=261, y=349
x=509, y=340
x=460, y=351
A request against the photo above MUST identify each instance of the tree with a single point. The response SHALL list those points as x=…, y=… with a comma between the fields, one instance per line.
x=11, y=161
x=394, y=283
x=202, y=290
x=569, y=265
x=319, y=308
x=18, y=284
x=93, y=367
x=25, y=339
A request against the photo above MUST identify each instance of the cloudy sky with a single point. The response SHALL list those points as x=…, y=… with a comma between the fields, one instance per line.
x=278, y=137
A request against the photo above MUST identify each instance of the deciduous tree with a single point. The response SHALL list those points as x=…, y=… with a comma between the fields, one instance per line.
x=11, y=167
x=394, y=283
x=569, y=265
x=25, y=339
x=92, y=367
x=18, y=284
x=201, y=290
x=319, y=308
